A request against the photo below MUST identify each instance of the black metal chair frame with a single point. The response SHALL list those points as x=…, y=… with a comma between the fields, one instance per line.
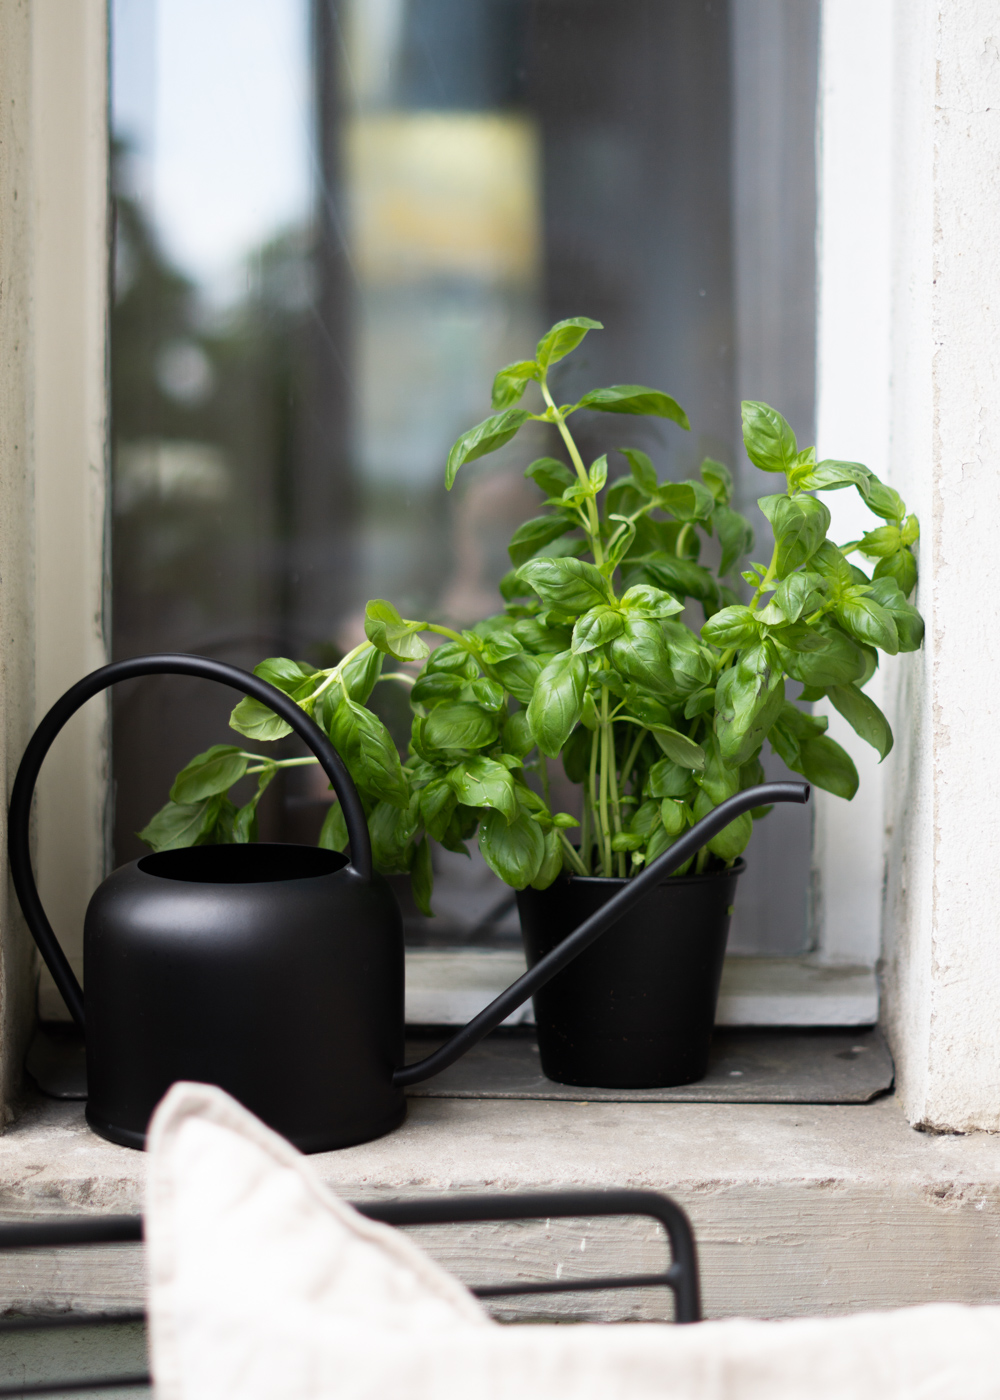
x=681, y=1277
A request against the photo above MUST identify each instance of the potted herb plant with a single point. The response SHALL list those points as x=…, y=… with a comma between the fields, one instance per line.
x=593, y=662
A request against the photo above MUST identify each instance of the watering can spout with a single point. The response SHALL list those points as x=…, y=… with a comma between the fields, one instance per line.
x=546, y=968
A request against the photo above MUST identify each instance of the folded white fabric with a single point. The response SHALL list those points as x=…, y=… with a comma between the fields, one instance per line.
x=264, y=1286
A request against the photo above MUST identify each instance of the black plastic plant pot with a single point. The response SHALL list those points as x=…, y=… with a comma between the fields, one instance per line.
x=636, y=1009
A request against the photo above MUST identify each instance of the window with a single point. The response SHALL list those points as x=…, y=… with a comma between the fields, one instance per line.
x=333, y=222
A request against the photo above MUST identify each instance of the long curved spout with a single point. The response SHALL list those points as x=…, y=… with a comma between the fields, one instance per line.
x=591, y=929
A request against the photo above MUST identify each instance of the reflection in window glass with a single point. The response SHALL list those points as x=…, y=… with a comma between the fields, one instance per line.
x=335, y=219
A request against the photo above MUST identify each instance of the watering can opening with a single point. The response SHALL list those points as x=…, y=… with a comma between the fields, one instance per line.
x=261, y=863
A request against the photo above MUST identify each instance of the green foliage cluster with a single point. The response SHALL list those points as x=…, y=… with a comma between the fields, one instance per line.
x=591, y=662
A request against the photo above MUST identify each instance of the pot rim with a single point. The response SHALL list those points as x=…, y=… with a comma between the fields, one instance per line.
x=737, y=868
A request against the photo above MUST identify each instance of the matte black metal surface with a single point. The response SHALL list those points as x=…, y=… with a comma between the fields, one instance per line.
x=286, y=992
x=745, y=1066
x=681, y=1276
x=636, y=1009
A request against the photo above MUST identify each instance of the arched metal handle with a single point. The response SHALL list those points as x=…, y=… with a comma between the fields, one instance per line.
x=167, y=664
x=546, y=968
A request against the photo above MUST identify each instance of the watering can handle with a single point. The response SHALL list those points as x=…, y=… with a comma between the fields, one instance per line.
x=546, y=968
x=167, y=664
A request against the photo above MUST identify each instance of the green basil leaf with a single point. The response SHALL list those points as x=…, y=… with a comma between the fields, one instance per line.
x=333, y=833
x=733, y=839
x=488, y=693
x=516, y=735
x=627, y=841
x=830, y=475
x=824, y=763
x=687, y=500
x=645, y=601
x=909, y=623
x=286, y=675
x=640, y=653
x=438, y=800
x=880, y=543
x=552, y=862
x=511, y=587
x=680, y=749
x=500, y=645
x=576, y=755
x=564, y=336
x=256, y=721
x=799, y=593
x=768, y=439
x=800, y=524
x=571, y=583
x=535, y=534
x=864, y=716
x=422, y=878
x=360, y=674
x=485, y=437
x=718, y=478
x=674, y=816
x=598, y=474
x=518, y=674
x=179, y=824
x=541, y=639
x=460, y=725
x=867, y=621
x=680, y=577
x=839, y=663
x=700, y=702
x=644, y=477
x=669, y=779
x=748, y=698
x=366, y=746
x=902, y=567
x=884, y=501
x=392, y=829
x=245, y=821
x=734, y=534
x=482, y=782
x=511, y=382
x=731, y=627
x=597, y=627
x=209, y=773
x=557, y=702
x=431, y=688
x=516, y=851
x=692, y=665
x=635, y=398
x=551, y=475
x=387, y=631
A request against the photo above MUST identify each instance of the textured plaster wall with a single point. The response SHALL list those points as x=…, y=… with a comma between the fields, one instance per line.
x=53, y=308
x=942, y=909
x=16, y=507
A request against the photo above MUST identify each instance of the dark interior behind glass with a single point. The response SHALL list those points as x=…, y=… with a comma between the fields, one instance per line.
x=479, y=169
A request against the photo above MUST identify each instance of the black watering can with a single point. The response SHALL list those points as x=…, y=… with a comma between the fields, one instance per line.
x=275, y=971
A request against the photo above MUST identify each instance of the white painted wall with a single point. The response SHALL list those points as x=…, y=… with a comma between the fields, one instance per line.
x=853, y=417
x=942, y=942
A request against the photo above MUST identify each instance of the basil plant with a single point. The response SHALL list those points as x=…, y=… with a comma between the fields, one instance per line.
x=593, y=662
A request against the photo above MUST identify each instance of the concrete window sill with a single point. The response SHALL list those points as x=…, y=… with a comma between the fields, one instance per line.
x=797, y=1210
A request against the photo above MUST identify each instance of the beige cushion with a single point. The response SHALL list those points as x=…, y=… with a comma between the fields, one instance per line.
x=264, y=1286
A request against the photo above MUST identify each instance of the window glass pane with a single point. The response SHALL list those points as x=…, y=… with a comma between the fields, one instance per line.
x=335, y=220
